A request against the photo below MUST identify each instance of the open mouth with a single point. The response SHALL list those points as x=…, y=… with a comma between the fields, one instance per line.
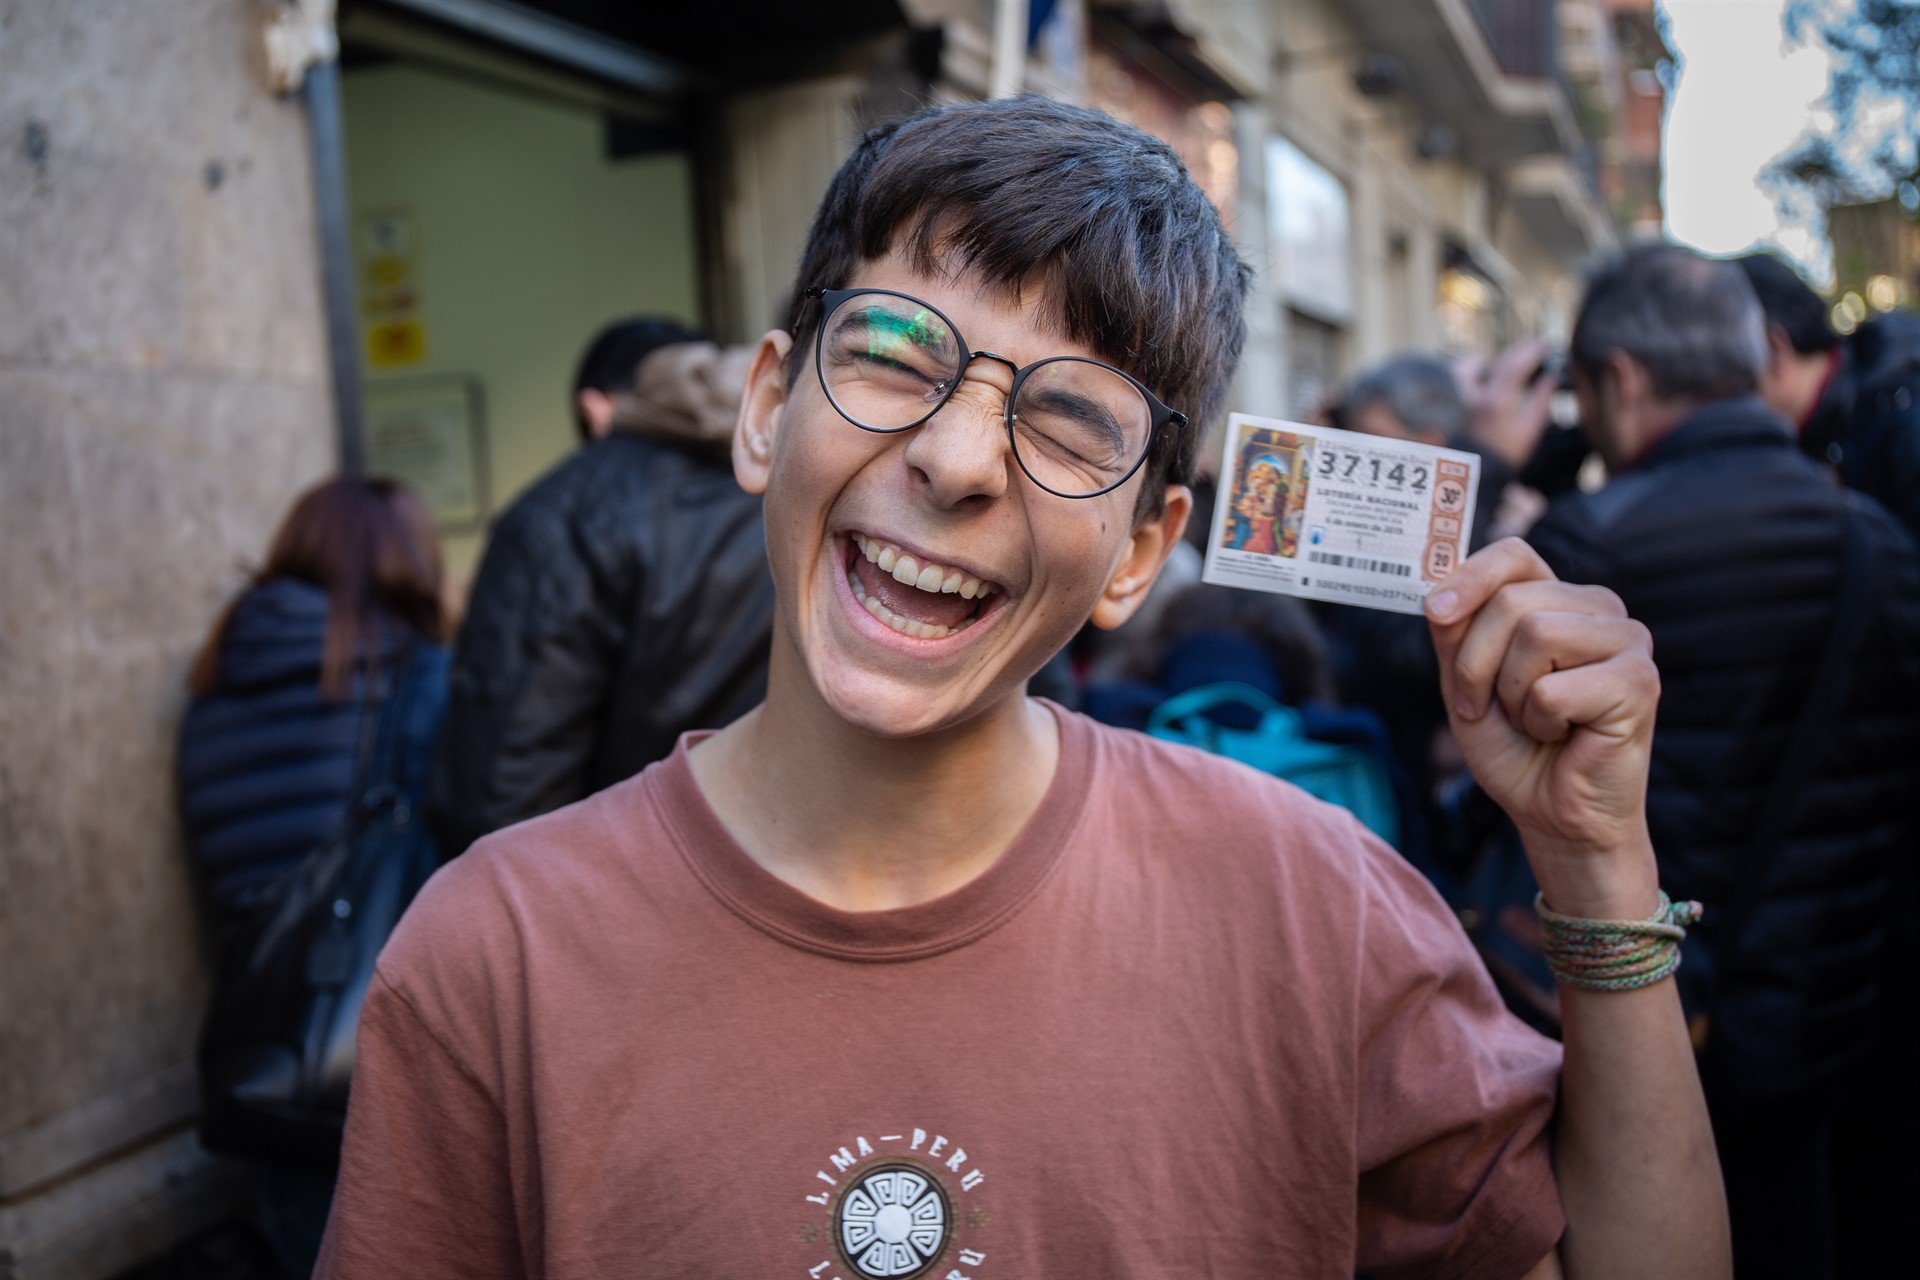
x=915, y=597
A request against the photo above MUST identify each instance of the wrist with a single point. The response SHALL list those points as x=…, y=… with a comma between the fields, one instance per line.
x=1615, y=955
x=1505, y=441
x=1620, y=882
x=1488, y=442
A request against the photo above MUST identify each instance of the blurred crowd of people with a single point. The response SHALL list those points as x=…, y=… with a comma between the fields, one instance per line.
x=1707, y=448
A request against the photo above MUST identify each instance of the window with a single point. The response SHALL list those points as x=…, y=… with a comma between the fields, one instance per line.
x=1310, y=230
x=1313, y=365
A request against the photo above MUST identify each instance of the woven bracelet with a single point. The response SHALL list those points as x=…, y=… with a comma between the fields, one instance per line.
x=1614, y=955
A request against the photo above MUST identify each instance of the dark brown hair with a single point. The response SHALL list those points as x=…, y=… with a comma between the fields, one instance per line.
x=1125, y=252
x=1690, y=321
x=370, y=544
x=1789, y=302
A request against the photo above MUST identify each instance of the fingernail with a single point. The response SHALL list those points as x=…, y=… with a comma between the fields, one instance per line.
x=1463, y=709
x=1441, y=604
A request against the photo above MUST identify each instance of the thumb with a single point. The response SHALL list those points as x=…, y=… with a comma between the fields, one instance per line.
x=1447, y=630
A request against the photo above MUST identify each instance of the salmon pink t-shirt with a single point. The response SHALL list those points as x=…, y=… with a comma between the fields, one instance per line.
x=1193, y=1023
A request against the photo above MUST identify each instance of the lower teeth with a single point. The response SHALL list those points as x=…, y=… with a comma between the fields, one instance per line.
x=906, y=626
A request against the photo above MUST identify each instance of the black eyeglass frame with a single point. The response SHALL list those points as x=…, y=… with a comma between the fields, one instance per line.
x=830, y=300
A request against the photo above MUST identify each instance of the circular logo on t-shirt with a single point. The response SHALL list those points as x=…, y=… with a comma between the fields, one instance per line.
x=892, y=1223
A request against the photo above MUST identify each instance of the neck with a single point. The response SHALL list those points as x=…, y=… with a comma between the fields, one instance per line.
x=1654, y=423
x=867, y=823
x=1811, y=376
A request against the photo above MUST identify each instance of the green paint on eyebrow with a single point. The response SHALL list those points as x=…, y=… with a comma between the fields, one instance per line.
x=886, y=328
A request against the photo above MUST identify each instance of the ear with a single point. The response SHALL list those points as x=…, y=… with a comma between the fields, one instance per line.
x=1621, y=382
x=595, y=408
x=761, y=409
x=1780, y=351
x=1148, y=547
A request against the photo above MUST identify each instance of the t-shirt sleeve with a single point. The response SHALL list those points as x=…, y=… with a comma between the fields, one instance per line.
x=1456, y=1098
x=424, y=1189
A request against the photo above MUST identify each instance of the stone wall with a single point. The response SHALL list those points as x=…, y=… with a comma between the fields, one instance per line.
x=162, y=398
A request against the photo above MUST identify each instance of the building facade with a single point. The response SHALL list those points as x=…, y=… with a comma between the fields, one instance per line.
x=218, y=279
x=163, y=394
x=1876, y=257
x=1402, y=174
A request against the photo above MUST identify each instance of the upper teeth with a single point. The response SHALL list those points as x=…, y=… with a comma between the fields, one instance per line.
x=925, y=575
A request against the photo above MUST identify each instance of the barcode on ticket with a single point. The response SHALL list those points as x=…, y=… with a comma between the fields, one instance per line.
x=1335, y=515
x=1394, y=568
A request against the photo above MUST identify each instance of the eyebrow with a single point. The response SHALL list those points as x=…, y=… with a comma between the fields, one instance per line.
x=1087, y=410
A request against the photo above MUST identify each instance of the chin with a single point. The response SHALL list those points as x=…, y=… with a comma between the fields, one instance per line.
x=884, y=707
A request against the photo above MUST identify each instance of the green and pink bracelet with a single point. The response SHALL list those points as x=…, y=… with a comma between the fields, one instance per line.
x=1615, y=955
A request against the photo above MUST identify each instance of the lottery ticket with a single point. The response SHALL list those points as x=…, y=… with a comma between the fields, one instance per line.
x=1336, y=515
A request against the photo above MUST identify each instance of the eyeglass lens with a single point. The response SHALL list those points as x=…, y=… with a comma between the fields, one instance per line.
x=888, y=362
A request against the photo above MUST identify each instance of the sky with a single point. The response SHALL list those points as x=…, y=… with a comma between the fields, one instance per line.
x=1742, y=97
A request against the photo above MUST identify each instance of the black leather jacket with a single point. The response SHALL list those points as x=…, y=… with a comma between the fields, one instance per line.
x=1727, y=544
x=623, y=600
x=1868, y=420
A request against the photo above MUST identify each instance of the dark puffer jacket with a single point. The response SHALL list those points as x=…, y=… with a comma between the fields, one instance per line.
x=1727, y=543
x=265, y=762
x=623, y=600
x=1868, y=419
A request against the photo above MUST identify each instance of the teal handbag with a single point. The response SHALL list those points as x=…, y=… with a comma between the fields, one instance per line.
x=1339, y=774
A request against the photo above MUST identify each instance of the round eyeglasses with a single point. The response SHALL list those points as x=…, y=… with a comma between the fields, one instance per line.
x=888, y=362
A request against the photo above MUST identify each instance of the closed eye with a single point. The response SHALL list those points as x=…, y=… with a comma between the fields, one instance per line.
x=1078, y=412
x=884, y=362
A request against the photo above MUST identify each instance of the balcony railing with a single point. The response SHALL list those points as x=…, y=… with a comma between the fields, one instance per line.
x=1522, y=35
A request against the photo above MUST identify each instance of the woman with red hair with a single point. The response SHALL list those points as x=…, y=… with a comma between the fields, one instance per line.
x=344, y=618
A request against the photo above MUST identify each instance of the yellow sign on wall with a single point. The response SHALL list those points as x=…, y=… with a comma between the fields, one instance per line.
x=395, y=344
x=389, y=294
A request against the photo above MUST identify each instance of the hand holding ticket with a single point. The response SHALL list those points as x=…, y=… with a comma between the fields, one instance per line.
x=1335, y=515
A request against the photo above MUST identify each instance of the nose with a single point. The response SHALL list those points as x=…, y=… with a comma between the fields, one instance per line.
x=961, y=451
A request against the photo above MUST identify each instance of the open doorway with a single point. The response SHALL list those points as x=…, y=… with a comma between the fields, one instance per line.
x=502, y=211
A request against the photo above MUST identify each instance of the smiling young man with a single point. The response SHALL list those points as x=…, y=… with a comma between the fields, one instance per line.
x=905, y=974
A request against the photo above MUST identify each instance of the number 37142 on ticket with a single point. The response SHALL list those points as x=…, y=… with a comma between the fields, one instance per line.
x=1335, y=515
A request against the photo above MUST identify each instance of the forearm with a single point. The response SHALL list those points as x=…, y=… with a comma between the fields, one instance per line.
x=1551, y=690
x=1633, y=1148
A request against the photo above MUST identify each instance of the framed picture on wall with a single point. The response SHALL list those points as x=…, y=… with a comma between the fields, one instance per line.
x=430, y=432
